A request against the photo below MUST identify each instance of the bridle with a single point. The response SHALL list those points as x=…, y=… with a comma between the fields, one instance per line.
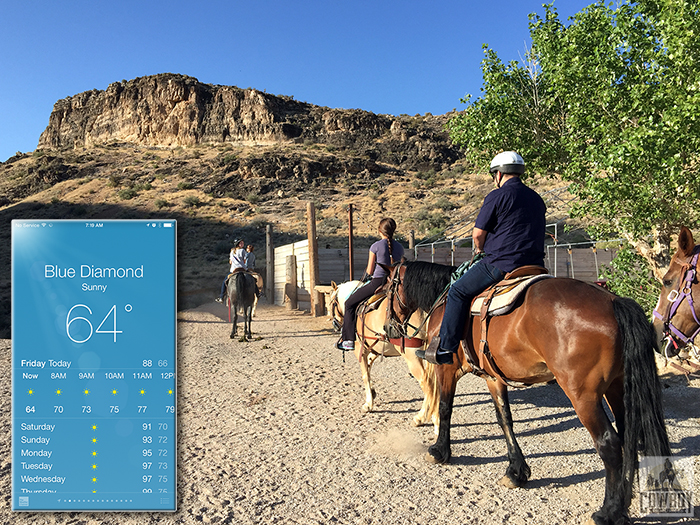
x=675, y=299
x=335, y=309
x=392, y=326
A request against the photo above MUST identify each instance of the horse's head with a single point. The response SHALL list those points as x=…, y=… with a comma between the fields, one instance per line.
x=397, y=311
x=338, y=297
x=676, y=316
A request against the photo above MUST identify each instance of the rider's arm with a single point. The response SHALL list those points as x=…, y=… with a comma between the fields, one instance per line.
x=371, y=263
x=479, y=238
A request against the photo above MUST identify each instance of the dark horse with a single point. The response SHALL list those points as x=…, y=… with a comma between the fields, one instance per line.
x=241, y=294
x=595, y=344
x=676, y=318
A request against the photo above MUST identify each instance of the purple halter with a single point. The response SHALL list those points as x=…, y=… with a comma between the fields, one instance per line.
x=675, y=299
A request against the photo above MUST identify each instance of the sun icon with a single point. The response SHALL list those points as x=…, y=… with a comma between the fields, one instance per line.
x=94, y=427
x=94, y=479
x=94, y=453
x=30, y=392
x=142, y=392
x=170, y=392
x=94, y=466
x=114, y=391
x=86, y=392
x=94, y=440
x=59, y=392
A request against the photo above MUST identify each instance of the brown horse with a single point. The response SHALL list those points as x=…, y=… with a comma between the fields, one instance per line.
x=595, y=344
x=676, y=318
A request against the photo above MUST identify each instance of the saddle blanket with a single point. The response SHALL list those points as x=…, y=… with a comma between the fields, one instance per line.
x=507, y=292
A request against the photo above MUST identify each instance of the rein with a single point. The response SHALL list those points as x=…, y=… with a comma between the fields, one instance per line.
x=393, y=324
x=676, y=298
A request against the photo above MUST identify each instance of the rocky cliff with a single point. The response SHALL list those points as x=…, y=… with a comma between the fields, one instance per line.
x=170, y=110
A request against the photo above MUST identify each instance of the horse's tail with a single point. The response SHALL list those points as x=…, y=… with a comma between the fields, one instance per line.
x=644, y=427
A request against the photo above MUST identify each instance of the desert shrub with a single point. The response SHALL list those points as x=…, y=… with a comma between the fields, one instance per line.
x=252, y=197
x=222, y=247
x=444, y=204
x=431, y=222
x=127, y=193
x=114, y=181
x=161, y=203
x=330, y=226
x=192, y=201
x=185, y=185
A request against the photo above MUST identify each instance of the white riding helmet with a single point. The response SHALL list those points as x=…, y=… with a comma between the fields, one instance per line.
x=507, y=162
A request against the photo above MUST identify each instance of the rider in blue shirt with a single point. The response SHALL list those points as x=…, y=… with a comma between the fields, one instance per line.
x=509, y=231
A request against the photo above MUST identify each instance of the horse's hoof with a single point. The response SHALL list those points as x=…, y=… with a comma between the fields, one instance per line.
x=232, y=336
x=417, y=422
x=243, y=340
x=436, y=457
x=366, y=408
x=508, y=483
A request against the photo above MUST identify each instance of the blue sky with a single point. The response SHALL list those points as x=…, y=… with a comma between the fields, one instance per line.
x=393, y=56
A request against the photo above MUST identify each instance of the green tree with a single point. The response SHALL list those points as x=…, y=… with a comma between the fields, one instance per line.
x=610, y=103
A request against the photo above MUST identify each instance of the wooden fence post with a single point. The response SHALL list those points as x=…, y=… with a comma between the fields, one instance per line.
x=270, y=256
x=290, y=286
x=317, y=305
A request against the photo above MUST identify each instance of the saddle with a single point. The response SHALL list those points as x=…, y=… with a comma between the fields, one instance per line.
x=499, y=299
x=372, y=302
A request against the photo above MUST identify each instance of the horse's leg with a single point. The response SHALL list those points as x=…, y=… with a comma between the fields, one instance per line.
x=234, y=328
x=615, y=399
x=424, y=373
x=255, y=304
x=609, y=446
x=517, y=472
x=249, y=321
x=366, y=361
x=447, y=383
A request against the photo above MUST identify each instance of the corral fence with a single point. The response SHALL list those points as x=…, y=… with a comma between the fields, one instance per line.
x=582, y=261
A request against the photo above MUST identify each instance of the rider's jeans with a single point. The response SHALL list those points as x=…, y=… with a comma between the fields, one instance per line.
x=459, y=298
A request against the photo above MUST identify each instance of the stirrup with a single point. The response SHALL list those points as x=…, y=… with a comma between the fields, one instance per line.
x=431, y=351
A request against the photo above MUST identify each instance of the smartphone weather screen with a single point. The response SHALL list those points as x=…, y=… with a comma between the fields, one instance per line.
x=93, y=365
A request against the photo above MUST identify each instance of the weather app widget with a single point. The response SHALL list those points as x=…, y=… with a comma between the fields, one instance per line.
x=93, y=365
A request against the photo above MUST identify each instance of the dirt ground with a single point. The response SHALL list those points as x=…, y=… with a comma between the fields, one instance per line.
x=271, y=431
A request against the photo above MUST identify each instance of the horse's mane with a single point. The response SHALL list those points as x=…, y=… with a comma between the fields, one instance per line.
x=423, y=283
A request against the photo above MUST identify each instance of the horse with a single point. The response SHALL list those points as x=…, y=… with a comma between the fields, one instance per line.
x=258, y=289
x=676, y=318
x=241, y=294
x=595, y=344
x=371, y=342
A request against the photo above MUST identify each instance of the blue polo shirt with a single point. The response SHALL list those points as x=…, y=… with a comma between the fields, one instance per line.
x=514, y=218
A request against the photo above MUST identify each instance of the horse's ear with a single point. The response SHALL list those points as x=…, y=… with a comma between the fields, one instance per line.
x=686, y=243
x=333, y=285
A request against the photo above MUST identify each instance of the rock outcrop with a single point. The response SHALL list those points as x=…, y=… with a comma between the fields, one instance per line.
x=171, y=110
